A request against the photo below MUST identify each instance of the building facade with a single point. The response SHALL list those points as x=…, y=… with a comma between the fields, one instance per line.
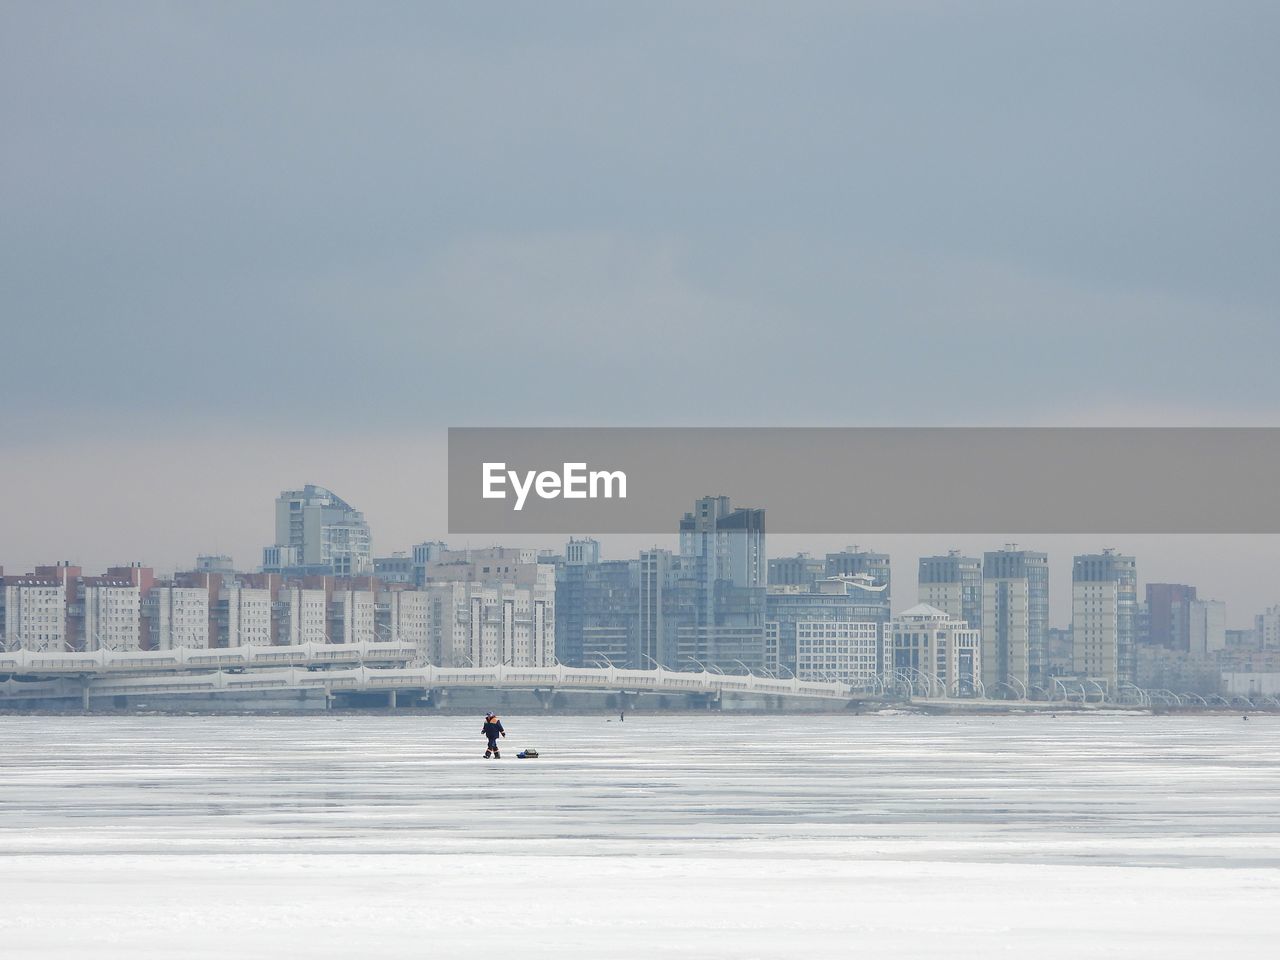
x=1015, y=621
x=317, y=532
x=788, y=608
x=1206, y=628
x=953, y=583
x=1266, y=627
x=176, y=618
x=854, y=561
x=1104, y=604
x=475, y=624
x=843, y=650
x=33, y=612
x=801, y=570
x=1168, y=615
x=927, y=651
x=718, y=592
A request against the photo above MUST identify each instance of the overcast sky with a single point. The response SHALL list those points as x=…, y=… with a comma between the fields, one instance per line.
x=244, y=246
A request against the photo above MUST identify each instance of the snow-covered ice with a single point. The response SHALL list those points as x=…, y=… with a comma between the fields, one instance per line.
x=676, y=835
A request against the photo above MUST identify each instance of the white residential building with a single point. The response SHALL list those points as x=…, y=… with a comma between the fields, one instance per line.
x=485, y=624
x=1104, y=603
x=843, y=650
x=112, y=613
x=177, y=617
x=1015, y=620
x=404, y=617
x=302, y=615
x=491, y=606
x=927, y=650
x=33, y=613
x=352, y=616
x=244, y=616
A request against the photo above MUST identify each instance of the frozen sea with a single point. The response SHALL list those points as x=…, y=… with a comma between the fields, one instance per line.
x=713, y=835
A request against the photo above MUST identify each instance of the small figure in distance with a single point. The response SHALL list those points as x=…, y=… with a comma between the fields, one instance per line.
x=492, y=730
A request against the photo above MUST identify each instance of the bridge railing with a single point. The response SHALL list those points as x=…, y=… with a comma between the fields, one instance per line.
x=109, y=673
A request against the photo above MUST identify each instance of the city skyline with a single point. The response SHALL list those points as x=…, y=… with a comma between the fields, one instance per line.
x=1242, y=605
x=979, y=627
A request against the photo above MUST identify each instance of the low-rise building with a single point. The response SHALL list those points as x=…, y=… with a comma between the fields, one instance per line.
x=925, y=649
x=844, y=650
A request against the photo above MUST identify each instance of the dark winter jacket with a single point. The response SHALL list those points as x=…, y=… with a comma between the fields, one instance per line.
x=493, y=729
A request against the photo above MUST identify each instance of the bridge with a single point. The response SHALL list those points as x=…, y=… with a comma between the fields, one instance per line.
x=388, y=668
x=329, y=670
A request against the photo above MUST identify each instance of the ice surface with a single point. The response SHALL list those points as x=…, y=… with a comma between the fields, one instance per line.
x=677, y=835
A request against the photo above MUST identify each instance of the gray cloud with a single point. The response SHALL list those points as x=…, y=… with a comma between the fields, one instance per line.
x=255, y=204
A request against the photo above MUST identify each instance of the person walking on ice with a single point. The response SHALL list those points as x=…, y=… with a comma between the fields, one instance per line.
x=492, y=729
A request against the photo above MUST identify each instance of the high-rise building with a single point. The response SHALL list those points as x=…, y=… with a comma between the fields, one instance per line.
x=658, y=608
x=572, y=572
x=1104, y=603
x=242, y=616
x=1168, y=615
x=301, y=615
x=491, y=606
x=610, y=621
x=801, y=570
x=928, y=651
x=484, y=624
x=728, y=541
x=404, y=616
x=1207, y=628
x=176, y=617
x=1267, y=628
x=791, y=610
x=597, y=613
x=854, y=561
x=953, y=583
x=720, y=586
x=397, y=568
x=107, y=614
x=423, y=554
x=33, y=608
x=1015, y=621
x=582, y=552
x=317, y=532
x=352, y=613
